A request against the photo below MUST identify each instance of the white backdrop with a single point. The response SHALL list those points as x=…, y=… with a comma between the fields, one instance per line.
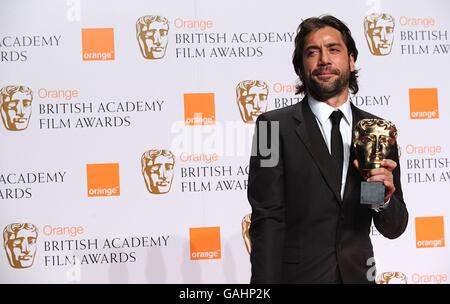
x=192, y=233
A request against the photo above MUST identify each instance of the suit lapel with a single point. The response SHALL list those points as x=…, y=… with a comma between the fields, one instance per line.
x=353, y=176
x=310, y=134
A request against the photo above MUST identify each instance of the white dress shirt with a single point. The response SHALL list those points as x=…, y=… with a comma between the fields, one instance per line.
x=322, y=112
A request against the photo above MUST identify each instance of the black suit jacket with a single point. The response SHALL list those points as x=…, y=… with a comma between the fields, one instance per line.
x=301, y=230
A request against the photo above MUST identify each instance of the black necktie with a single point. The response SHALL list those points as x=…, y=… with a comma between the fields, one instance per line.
x=337, y=147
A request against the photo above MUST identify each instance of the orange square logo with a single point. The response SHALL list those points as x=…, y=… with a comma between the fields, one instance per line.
x=103, y=180
x=199, y=109
x=423, y=103
x=430, y=232
x=205, y=243
x=98, y=44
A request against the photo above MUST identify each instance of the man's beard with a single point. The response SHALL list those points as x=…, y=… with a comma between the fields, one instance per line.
x=323, y=91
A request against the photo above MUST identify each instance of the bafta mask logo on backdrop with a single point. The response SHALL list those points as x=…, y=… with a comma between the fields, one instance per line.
x=152, y=33
x=157, y=169
x=251, y=97
x=391, y=278
x=15, y=106
x=379, y=32
x=19, y=240
x=246, y=221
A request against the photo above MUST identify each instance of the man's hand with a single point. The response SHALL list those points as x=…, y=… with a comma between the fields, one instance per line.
x=383, y=174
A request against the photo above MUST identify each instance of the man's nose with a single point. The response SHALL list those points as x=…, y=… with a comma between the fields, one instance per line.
x=324, y=58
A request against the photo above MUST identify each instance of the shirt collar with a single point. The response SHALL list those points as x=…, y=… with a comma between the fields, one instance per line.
x=322, y=110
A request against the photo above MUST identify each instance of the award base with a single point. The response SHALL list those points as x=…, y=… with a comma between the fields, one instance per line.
x=372, y=194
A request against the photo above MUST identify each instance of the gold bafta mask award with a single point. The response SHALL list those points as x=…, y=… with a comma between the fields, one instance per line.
x=374, y=139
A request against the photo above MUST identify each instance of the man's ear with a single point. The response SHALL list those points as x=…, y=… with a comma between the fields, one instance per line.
x=352, y=63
